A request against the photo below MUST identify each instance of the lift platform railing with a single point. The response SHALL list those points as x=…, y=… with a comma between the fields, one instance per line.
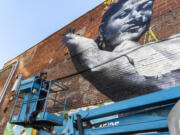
x=18, y=92
x=51, y=90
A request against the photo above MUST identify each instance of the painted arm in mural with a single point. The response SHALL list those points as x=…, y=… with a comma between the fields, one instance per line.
x=123, y=64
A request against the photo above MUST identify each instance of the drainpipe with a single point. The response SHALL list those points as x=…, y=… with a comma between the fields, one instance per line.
x=14, y=67
x=17, y=83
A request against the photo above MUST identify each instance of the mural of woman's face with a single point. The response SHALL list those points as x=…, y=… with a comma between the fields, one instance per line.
x=125, y=20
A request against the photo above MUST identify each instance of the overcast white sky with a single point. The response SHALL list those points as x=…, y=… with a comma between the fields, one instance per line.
x=24, y=23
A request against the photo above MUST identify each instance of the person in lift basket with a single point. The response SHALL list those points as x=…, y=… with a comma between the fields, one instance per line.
x=41, y=80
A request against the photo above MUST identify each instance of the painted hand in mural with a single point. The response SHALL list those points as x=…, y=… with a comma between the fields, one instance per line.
x=77, y=43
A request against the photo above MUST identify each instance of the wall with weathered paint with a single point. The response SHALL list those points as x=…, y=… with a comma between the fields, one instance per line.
x=52, y=56
x=3, y=77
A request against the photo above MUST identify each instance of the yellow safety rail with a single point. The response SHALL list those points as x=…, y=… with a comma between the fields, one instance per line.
x=150, y=36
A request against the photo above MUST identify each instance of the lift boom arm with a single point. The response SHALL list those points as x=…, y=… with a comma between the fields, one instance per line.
x=148, y=113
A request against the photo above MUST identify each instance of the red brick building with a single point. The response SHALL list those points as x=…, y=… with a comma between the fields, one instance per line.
x=51, y=55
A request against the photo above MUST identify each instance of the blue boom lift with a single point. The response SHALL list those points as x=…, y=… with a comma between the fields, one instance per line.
x=27, y=98
x=145, y=114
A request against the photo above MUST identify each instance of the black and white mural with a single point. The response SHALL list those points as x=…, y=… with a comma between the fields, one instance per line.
x=123, y=68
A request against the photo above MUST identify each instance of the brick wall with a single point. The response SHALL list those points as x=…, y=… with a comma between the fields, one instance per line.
x=3, y=117
x=163, y=6
x=51, y=55
x=3, y=77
